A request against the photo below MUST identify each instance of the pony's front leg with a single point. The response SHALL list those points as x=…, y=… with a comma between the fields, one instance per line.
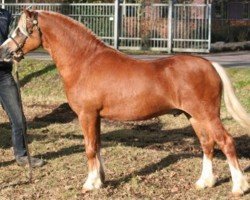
x=91, y=130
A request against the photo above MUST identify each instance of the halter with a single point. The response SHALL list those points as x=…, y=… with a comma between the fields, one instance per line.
x=18, y=51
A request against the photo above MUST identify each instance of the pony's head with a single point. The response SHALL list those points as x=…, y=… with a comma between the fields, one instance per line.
x=24, y=38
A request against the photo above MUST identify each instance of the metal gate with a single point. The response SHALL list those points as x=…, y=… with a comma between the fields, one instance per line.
x=160, y=27
x=130, y=26
x=191, y=27
x=144, y=27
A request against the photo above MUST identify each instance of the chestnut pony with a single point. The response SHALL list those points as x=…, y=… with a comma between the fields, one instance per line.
x=101, y=82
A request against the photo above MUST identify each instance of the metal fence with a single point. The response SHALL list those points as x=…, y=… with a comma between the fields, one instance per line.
x=161, y=27
x=191, y=28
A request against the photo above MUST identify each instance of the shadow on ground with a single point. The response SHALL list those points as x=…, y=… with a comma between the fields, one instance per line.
x=61, y=114
x=182, y=143
x=152, y=168
x=36, y=74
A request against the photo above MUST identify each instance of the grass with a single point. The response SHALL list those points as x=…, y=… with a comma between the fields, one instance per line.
x=155, y=159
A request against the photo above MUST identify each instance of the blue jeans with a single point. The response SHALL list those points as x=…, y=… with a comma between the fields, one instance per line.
x=10, y=101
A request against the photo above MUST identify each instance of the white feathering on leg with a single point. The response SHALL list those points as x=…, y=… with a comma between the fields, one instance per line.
x=240, y=184
x=207, y=178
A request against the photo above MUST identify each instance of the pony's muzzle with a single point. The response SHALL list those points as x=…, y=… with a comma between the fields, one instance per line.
x=5, y=54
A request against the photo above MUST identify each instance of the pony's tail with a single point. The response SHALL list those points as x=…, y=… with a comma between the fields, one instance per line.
x=232, y=103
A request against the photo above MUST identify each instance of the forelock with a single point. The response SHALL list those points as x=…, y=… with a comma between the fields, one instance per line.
x=22, y=24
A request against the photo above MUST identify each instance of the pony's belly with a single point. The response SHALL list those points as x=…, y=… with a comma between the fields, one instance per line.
x=134, y=112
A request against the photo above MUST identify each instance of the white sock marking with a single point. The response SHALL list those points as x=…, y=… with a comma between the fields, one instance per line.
x=207, y=178
x=94, y=179
x=240, y=184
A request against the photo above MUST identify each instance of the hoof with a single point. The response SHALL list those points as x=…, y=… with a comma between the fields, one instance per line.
x=239, y=190
x=238, y=193
x=88, y=186
x=204, y=183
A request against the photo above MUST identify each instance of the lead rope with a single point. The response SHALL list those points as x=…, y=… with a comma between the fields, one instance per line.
x=16, y=75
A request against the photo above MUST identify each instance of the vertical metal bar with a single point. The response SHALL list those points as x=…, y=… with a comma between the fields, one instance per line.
x=138, y=24
x=193, y=27
x=97, y=19
x=170, y=10
x=189, y=28
x=132, y=26
x=127, y=38
x=3, y=5
x=116, y=18
x=182, y=26
x=180, y=20
x=202, y=27
x=154, y=26
x=161, y=30
x=195, y=36
x=130, y=35
x=156, y=44
x=122, y=24
x=198, y=28
x=209, y=26
x=175, y=24
x=206, y=20
x=110, y=11
x=106, y=22
x=93, y=18
x=152, y=22
x=185, y=28
x=179, y=27
x=184, y=19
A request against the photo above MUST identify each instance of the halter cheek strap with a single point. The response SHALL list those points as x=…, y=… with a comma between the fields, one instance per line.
x=19, y=46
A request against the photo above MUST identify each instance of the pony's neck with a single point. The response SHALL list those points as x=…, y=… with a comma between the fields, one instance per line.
x=68, y=42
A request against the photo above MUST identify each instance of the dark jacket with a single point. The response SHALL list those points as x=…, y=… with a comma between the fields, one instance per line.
x=5, y=20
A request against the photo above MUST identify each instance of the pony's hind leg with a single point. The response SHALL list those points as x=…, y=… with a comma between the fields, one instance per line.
x=207, y=179
x=91, y=130
x=226, y=143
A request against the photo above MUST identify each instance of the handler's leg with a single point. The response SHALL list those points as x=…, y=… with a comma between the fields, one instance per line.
x=10, y=100
x=91, y=129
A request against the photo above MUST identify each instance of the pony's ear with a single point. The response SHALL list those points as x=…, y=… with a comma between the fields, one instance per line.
x=27, y=13
x=31, y=16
